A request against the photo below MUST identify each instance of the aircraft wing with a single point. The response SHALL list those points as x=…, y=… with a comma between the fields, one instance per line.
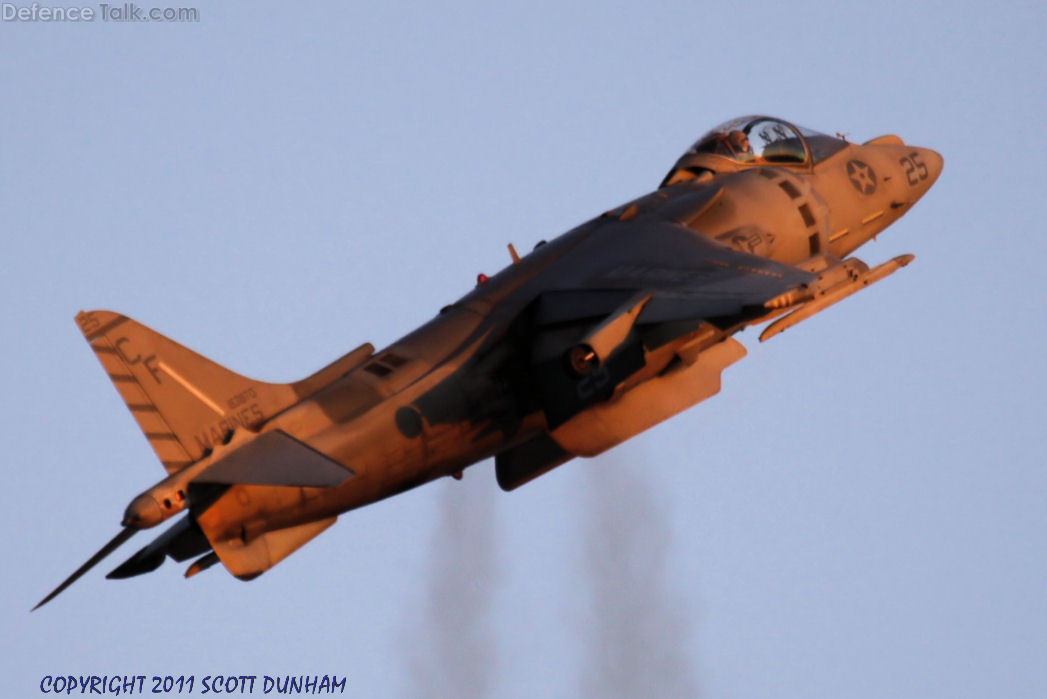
x=683, y=276
x=630, y=286
x=620, y=289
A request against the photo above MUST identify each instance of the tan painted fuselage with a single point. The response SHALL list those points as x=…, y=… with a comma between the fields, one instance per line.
x=793, y=214
x=570, y=350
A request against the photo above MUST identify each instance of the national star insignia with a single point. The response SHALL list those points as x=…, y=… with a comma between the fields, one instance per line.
x=862, y=176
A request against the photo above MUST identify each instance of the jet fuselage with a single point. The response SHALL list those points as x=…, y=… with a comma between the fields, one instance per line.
x=590, y=339
x=454, y=392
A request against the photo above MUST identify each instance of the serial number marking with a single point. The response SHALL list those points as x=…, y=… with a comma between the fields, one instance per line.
x=241, y=398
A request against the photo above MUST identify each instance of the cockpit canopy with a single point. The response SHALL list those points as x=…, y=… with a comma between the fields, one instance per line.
x=757, y=140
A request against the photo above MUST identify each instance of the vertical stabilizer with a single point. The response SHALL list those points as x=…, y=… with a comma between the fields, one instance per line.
x=183, y=402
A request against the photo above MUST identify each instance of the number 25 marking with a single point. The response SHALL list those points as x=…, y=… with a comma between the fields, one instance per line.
x=915, y=170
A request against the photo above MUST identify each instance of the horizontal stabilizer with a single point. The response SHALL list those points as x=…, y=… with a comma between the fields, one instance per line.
x=276, y=458
x=182, y=541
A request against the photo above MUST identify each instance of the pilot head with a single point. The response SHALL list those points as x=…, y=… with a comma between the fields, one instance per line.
x=738, y=143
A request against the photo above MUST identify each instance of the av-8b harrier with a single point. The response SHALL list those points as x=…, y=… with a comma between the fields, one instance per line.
x=588, y=340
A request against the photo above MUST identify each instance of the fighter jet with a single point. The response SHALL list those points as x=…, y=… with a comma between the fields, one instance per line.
x=590, y=339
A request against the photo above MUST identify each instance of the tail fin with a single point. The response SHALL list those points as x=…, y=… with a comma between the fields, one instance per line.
x=184, y=403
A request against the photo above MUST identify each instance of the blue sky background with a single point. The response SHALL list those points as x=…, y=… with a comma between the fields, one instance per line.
x=861, y=512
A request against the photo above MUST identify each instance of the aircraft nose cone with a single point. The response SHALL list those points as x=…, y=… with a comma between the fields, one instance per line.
x=934, y=162
x=919, y=169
